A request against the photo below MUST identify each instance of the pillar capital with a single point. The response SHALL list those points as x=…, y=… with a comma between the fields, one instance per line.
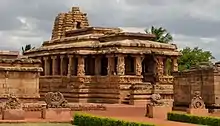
x=53, y=57
x=45, y=58
x=62, y=56
x=70, y=56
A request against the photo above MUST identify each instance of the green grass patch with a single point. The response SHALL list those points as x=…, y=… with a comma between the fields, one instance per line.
x=187, y=118
x=82, y=119
x=35, y=124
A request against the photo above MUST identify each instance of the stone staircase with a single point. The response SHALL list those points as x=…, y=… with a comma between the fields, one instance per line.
x=126, y=99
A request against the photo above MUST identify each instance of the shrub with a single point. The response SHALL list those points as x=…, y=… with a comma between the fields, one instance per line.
x=82, y=119
x=187, y=118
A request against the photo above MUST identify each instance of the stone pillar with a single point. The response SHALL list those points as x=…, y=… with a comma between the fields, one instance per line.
x=160, y=66
x=111, y=65
x=174, y=64
x=81, y=66
x=121, y=65
x=97, y=65
x=61, y=65
x=138, y=65
x=46, y=66
x=70, y=66
x=54, y=65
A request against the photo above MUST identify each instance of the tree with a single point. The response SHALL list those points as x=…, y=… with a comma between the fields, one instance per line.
x=26, y=48
x=193, y=57
x=161, y=34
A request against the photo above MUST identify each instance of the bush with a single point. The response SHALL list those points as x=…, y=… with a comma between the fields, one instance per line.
x=81, y=119
x=187, y=118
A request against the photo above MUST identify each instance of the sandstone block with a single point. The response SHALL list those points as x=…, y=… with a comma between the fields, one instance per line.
x=158, y=111
x=57, y=113
x=13, y=114
x=200, y=112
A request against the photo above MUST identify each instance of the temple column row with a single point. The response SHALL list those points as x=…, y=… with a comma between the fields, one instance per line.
x=62, y=67
x=161, y=65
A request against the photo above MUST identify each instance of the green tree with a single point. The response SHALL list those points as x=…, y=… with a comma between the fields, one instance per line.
x=26, y=48
x=193, y=57
x=161, y=34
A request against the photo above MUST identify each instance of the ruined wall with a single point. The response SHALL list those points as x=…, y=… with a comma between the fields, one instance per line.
x=20, y=77
x=187, y=82
x=9, y=54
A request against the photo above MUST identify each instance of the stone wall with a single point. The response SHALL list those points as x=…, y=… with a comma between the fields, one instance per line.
x=204, y=80
x=8, y=54
x=20, y=77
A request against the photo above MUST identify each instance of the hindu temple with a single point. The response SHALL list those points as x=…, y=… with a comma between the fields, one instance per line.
x=103, y=65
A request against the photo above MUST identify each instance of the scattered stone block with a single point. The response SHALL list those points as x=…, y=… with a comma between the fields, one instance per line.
x=197, y=106
x=13, y=109
x=157, y=108
x=158, y=111
x=57, y=114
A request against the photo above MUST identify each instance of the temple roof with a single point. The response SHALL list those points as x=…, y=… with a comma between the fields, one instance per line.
x=72, y=34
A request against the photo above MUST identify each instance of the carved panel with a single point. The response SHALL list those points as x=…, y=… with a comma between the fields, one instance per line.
x=81, y=66
x=121, y=65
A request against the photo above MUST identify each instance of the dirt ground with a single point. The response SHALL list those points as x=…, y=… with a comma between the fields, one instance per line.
x=124, y=112
x=134, y=113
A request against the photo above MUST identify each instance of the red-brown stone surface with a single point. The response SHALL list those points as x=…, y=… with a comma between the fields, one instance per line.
x=13, y=114
x=57, y=113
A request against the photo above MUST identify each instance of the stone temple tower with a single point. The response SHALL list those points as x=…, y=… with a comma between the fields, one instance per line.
x=74, y=19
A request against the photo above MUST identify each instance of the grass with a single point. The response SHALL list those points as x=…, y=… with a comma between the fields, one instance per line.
x=35, y=124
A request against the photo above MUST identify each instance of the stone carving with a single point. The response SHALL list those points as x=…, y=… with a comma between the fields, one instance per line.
x=160, y=65
x=81, y=70
x=155, y=100
x=197, y=101
x=55, y=100
x=13, y=103
x=138, y=66
x=121, y=66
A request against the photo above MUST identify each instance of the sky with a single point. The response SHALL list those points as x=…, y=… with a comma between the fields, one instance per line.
x=191, y=22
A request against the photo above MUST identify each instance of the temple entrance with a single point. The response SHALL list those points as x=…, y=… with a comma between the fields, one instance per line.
x=148, y=69
x=104, y=66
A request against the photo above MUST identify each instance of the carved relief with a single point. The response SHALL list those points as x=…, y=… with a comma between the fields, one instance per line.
x=13, y=103
x=156, y=100
x=121, y=65
x=174, y=64
x=160, y=65
x=197, y=101
x=55, y=100
x=138, y=66
x=81, y=67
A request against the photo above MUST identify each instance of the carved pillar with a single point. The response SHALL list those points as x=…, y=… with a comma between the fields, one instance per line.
x=121, y=65
x=61, y=65
x=174, y=64
x=54, y=65
x=81, y=66
x=97, y=65
x=160, y=66
x=111, y=64
x=70, y=65
x=46, y=66
x=138, y=65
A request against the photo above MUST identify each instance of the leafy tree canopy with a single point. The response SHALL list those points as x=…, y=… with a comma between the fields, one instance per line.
x=193, y=57
x=26, y=48
x=161, y=34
